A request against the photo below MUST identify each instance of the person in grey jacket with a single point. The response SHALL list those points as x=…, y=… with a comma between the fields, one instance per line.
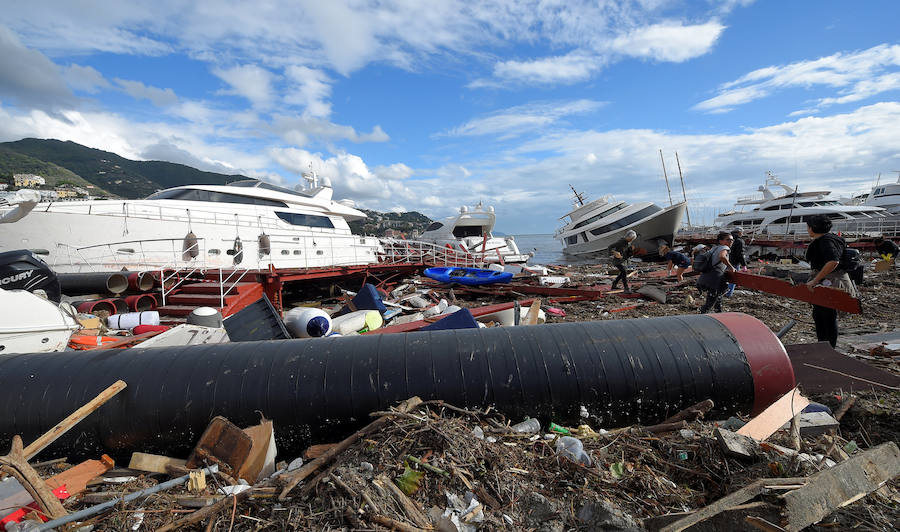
x=621, y=251
x=713, y=281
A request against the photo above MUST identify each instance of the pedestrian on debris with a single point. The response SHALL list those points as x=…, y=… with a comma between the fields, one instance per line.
x=823, y=255
x=887, y=249
x=678, y=262
x=621, y=251
x=713, y=281
x=736, y=255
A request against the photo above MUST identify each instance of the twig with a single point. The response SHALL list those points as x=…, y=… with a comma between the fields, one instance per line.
x=845, y=406
x=428, y=466
x=393, y=524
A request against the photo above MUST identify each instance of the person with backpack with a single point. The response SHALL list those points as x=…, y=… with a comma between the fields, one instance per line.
x=824, y=255
x=886, y=248
x=713, y=264
x=621, y=251
x=736, y=256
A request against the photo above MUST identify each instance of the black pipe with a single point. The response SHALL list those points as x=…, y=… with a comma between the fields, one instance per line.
x=79, y=284
x=786, y=329
x=623, y=371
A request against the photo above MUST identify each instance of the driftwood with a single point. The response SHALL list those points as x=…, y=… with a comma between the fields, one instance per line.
x=16, y=464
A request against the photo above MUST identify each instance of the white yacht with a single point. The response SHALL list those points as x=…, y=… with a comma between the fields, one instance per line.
x=470, y=232
x=777, y=202
x=885, y=196
x=593, y=226
x=247, y=224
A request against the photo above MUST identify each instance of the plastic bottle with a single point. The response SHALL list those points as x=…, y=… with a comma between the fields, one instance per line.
x=529, y=426
x=573, y=449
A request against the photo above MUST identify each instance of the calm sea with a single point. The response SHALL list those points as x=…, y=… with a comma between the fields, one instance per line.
x=547, y=250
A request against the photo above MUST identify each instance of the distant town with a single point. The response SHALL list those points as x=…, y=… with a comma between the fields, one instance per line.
x=62, y=190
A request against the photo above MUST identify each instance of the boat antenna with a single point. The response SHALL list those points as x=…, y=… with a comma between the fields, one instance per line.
x=579, y=197
x=683, y=193
x=665, y=176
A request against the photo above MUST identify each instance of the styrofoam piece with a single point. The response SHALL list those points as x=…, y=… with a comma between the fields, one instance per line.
x=553, y=279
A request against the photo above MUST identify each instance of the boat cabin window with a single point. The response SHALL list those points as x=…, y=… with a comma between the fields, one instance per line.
x=309, y=220
x=572, y=239
x=462, y=231
x=434, y=226
x=596, y=217
x=192, y=194
x=626, y=221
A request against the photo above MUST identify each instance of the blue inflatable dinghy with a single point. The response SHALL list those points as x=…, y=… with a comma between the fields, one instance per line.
x=468, y=276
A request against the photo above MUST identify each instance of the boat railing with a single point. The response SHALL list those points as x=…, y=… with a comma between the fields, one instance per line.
x=416, y=251
x=149, y=254
x=236, y=275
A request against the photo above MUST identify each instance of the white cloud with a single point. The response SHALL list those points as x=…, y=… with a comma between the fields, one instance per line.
x=248, y=81
x=516, y=120
x=299, y=129
x=669, y=41
x=28, y=77
x=85, y=79
x=855, y=75
x=566, y=69
x=139, y=91
x=312, y=90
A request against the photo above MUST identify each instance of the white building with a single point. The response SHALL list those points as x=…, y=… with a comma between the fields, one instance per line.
x=28, y=180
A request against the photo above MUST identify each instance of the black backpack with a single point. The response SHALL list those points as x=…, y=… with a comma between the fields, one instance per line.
x=703, y=261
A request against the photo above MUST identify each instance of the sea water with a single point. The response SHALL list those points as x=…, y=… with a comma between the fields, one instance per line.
x=547, y=250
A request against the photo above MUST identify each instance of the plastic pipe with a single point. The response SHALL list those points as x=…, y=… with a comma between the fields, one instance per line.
x=77, y=284
x=141, y=302
x=318, y=389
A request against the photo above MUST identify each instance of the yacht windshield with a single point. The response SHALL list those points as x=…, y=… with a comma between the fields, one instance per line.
x=255, y=183
x=463, y=231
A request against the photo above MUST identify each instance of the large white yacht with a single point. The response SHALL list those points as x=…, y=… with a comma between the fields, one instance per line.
x=247, y=224
x=470, y=232
x=593, y=226
x=777, y=202
x=885, y=196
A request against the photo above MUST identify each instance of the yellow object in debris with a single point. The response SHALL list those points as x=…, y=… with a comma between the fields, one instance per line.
x=88, y=321
x=197, y=481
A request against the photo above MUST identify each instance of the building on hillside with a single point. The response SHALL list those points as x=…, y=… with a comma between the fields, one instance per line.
x=66, y=192
x=29, y=180
x=48, y=195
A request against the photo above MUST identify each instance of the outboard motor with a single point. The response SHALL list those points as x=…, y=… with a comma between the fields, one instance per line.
x=23, y=270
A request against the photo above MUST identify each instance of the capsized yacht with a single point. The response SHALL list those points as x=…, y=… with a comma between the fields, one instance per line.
x=470, y=232
x=591, y=227
x=777, y=202
x=246, y=224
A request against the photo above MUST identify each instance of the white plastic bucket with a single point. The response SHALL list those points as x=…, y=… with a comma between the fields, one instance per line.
x=307, y=322
x=130, y=320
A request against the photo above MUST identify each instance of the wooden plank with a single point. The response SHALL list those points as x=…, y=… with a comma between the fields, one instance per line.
x=821, y=295
x=76, y=478
x=841, y=485
x=531, y=318
x=775, y=416
x=63, y=426
x=154, y=463
x=261, y=437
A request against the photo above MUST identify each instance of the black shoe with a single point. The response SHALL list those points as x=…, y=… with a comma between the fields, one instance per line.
x=627, y=291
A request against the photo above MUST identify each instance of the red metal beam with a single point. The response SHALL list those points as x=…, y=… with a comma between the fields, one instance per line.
x=821, y=295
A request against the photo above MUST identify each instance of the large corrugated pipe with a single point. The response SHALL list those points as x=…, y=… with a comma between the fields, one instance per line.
x=625, y=371
x=79, y=284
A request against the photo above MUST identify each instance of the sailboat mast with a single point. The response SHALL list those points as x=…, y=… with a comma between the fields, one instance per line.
x=683, y=193
x=665, y=176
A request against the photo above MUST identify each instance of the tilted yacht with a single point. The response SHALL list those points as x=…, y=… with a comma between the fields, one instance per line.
x=246, y=224
x=778, y=202
x=470, y=232
x=593, y=226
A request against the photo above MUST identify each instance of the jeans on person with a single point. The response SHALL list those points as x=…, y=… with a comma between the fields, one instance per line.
x=623, y=275
x=713, y=300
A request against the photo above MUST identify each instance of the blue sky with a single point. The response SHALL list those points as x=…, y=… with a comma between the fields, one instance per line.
x=431, y=105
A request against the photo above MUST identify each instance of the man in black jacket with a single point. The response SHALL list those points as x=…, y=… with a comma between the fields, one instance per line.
x=736, y=255
x=824, y=255
x=621, y=251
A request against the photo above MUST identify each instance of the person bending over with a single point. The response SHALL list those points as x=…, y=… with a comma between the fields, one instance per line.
x=621, y=251
x=678, y=262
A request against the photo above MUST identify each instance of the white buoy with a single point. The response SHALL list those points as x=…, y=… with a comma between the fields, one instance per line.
x=307, y=322
x=130, y=320
x=353, y=322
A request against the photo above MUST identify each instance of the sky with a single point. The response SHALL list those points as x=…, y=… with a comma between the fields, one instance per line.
x=412, y=105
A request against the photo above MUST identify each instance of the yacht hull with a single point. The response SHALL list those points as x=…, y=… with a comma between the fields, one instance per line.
x=78, y=242
x=652, y=231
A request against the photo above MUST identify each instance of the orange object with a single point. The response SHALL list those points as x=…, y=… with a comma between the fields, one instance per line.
x=76, y=478
x=88, y=342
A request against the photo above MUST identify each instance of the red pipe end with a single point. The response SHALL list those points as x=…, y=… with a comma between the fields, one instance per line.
x=773, y=374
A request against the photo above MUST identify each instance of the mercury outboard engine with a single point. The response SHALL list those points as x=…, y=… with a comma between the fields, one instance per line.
x=23, y=270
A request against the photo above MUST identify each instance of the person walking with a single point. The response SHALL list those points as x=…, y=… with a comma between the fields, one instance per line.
x=621, y=251
x=679, y=262
x=736, y=256
x=823, y=255
x=713, y=281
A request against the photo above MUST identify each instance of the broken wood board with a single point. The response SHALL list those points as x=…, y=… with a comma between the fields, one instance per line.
x=153, y=463
x=222, y=443
x=777, y=414
x=841, y=485
x=262, y=438
x=820, y=295
x=77, y=477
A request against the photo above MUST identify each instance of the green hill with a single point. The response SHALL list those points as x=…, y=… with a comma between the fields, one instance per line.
x=379, y=222
x=118, y=175
x=12, y=162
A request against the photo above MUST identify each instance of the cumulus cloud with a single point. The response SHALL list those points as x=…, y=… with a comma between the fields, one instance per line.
x=29, y=78
x=854, y=76
x=139, y=91
x=515, y=120
x=85, y=79
x=669, y=41
x=248, y=81
x=311, y=89
x=299, y=129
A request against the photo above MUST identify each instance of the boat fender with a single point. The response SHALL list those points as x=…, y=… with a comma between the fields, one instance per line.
x=237, y=250
x=307, y=322
x=130, y=320
x=189, y=248
x=265, y=245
